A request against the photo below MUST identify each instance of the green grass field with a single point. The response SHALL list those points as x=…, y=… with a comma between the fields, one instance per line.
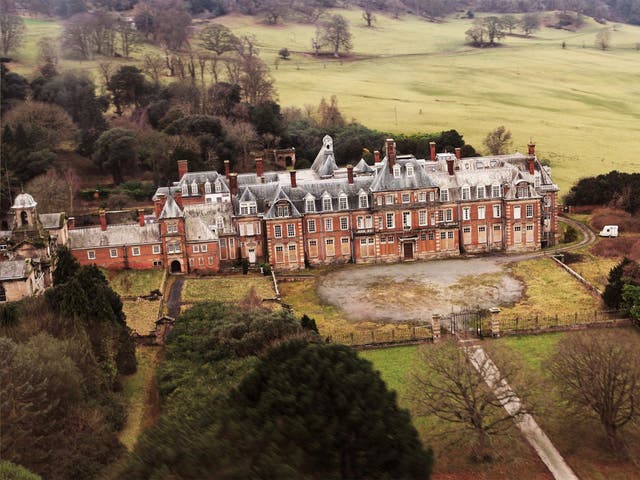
x=409, y=75
x=133, y=283
x=226, y=289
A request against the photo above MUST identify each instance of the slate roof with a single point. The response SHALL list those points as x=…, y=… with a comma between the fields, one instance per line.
x=325, y=163
x=171, y=209
x=386, y=181
x=279, y=196
x=363, y=167
x=200, y=221
x=51, y=221
x=130, y=234
x=202, y=178
x=13, y=270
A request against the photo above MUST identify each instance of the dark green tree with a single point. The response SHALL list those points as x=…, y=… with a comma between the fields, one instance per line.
x=128, y=87
x=612, y=294
x=13, y=88
x=114, y=150
x=320, y=410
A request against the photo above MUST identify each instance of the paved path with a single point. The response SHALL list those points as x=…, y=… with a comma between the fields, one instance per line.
x=525, y=422
x=175, y=297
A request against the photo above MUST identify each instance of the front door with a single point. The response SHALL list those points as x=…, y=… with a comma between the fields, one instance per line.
x=252, y=255
x=408, y=250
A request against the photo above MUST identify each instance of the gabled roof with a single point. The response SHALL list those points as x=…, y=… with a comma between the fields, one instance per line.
x=51, y=221
x=363, y=167
x=201, y=220
x=247, y=196
x=171, y=209
x=385, y=179
x=325, y=164
x=280, y=196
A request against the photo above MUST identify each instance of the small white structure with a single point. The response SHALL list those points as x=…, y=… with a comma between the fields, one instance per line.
x=609, y=231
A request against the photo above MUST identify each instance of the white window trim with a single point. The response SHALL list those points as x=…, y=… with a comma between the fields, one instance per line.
x=91, y=254
x=112, y=251
x=133, y=251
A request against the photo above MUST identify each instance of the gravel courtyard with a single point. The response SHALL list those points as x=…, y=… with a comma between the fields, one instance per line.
x=414, y=291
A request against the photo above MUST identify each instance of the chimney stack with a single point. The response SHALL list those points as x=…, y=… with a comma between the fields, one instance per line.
x=233, y=183
x=226, y=168
x=391, y=153
x=376, y=156
x=350, y=174
x=71, y=223
x=177, y=196
x=450, y=165
x=103, y=220
x=141, y=217
x=183, y=167
x=432, y=150
x=532, y=165
x=158, y=204
x=457, y=150
x=259, y=170
x=294, y=182
x=532, y=148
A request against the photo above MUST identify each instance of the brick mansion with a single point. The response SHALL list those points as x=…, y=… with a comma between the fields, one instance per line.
x=400, y=208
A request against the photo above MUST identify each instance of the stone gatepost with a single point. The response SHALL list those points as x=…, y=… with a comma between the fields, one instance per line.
x=435, y=326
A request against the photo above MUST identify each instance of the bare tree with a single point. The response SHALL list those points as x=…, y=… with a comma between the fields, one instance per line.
x=446, y=385
x=599, y=375
x=530, y=23
x=335, y=33
x=219, y=40
x=11, y=31
x=106, y=69
x=153, y=66
x=498, y=141
x=603, y=39
x=244, y=135
x=128, y=35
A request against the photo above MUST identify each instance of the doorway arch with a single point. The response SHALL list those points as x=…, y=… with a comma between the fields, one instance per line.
x=176, y=266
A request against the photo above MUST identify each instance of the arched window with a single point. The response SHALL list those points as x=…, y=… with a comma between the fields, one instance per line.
x=207, y=187
x=24, y=218
x=194, y=188
x=396, y=171
x=185, y=190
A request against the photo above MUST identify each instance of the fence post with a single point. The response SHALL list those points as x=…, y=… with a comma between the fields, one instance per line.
x=435, y=327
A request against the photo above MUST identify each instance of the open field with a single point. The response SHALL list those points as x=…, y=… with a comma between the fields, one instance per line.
x=226, y=288
x=409, y=75
x=133, y=283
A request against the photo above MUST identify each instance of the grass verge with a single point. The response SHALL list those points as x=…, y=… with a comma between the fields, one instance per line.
x=226, y=288
x=134, y=283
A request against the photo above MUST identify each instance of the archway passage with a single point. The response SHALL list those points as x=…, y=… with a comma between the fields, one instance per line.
x=176, y=267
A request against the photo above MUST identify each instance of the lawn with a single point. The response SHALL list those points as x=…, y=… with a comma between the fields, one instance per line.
x=228, y=288
x=141, y=315
x=549, y=290
x=393, y=365
x=408, y=75
x=134, y=283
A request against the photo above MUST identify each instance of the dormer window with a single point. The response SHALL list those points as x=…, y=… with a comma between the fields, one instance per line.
x=310, y=205
x=480, y=191
x=248, y=208
x=496, y=191
x=218, y=186
x=536, y=180
x=343, y=204
x=207, y=187
x=194, y=188
x=409, y=170
x=220, y=224
x=523, y=191
x=466, y=193
x=444, y=195
x=185, y=190
x=363, y=200
x=396, y=171
x=282, y=210
x=326, y=203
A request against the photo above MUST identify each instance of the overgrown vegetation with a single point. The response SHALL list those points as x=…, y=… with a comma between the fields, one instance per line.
x=249, y=393
x=615, y=189
x=64, y=353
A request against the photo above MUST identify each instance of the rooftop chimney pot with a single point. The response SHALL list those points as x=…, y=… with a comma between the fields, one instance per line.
x=376, y=156
x=141, y=217
x=391, y=153
x=103, y=220
x=226, y=168
x=233, y=183
x=259, y=168
x=458, y=154
x=350, y=174
x=183, y=167
x=432, y=150
x=450, y=162
x=294, y=182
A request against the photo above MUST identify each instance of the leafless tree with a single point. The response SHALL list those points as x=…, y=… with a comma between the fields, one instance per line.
x=603, y=39
x=244, y=135
x=445, y=384
x=219, y=40
x=153, y=66
x=128, y=35
x=498, y=141
x=11, y=31
x=106, y=69
x=599, y=375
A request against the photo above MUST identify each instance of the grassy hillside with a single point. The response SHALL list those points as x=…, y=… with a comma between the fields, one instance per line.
x=407, y=75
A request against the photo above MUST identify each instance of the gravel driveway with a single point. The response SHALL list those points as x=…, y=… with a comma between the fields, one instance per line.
x=414, y=291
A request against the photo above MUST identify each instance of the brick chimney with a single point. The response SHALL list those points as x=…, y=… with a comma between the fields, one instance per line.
x=183, y=167
x=294, y=182
x=391, y=153
x=177, y=196
x=432, y=150
x=531, y=163
x=458, y=155
x=450, y=165
x=233, y=183
x=71, y=223
x=141, y=217
x=103, y=220
x=350, y=174
x=376, y=156
x=259, y=170
x=226, y=168
x=532, y=148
